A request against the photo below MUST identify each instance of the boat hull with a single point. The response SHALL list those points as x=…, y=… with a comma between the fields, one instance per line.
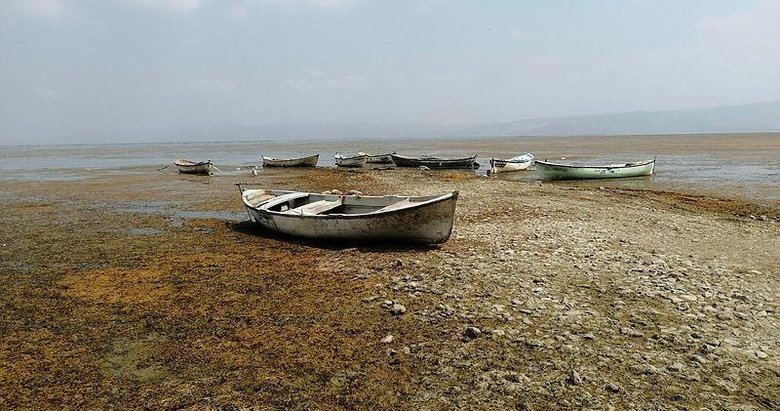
x=506, y=166
x=430, y=222
x=379, y=158
x=310, y=161
x=435, y=162
x=553, y=171
x=357, y=161
x=192, y=167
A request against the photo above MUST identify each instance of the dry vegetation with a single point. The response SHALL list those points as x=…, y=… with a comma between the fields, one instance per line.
x=584, y=298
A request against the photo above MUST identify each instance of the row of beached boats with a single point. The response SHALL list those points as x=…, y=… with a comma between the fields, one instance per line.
x=547, y=170
x=341, y=160
x=420, y=219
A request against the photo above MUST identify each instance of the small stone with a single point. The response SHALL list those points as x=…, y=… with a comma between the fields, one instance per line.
x=472, y=332
x=574, y=378
x=612, y=387
x=762, y=355
x=589, y=336
x=397, y=309
x=387, y=340
x=649, y=370
x=675, y=367
x=699, y=359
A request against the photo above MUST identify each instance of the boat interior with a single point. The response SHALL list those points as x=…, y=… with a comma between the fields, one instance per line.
x=308, y=204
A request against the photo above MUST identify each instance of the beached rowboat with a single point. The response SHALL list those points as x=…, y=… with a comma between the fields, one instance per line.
x=435, y=162
x=354, y=161
x=193, y=167
x=518, y=163
x=426, y=219
x=554, y=171
x=378, y=158
x=309, y=161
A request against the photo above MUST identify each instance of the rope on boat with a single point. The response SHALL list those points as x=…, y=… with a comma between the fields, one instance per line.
x=161, y=169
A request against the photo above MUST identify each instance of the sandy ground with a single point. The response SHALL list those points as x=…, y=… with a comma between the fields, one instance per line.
x=148, y=290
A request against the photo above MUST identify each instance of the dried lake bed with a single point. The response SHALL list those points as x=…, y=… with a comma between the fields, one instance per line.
x=150, y=290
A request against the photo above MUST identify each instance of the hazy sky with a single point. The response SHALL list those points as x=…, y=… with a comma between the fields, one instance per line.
x=76, y=68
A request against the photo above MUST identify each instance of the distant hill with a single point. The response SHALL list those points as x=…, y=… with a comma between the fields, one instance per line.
x=748, y=118
x=760, y=117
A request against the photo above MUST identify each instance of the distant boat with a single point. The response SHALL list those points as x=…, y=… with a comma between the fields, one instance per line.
x=435, y=162
x=378, y=158
x=193, y=167
x=354, y=161
x=518, y=163
x=309, y=161
x=554, y=171
x=425, y=219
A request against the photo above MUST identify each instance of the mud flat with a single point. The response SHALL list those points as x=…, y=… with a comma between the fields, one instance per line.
x=150, y=291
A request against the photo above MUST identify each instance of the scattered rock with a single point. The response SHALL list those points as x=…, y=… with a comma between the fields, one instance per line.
x=574, y=378
x=675, y=367
x=649, y=370
x=472, y=332
x=762, y=355
x=387, y=340
x=589, y=336
x=397, y=309
x=612, y=387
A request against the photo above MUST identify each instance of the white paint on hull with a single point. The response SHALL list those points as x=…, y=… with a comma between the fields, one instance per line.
x=309, y=161
x=392, y=218
x=553, y=171
x=356, y=161
x=192, y=167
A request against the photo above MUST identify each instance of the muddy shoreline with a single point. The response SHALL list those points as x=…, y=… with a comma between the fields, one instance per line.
x=150, y=290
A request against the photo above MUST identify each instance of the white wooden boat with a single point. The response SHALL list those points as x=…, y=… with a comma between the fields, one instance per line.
x=309, y=161
x=554, y=171
x=517, y=163
x=193, y=167
x=378, y=158
x=353, y=161
x=425, y=219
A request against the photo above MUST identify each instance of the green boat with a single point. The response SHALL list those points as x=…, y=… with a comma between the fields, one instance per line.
x=554, y=171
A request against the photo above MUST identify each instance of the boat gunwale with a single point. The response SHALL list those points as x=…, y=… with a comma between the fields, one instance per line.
x=190, y=163
x=453, y=195
x=499, y=161
x=604, y=167
x=439, y=159
x=289, y=159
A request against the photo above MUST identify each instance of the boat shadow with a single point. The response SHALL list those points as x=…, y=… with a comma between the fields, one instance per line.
x=256, y=230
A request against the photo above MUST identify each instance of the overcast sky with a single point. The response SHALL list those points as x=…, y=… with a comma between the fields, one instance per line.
x=76, y=68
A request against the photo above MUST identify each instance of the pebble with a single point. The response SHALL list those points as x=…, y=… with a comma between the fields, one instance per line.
x=397, y=309
x=650, y=369
x=472, y=332
x=676, y=367
x=387, y=340
x=612, y=387
x=589, y=336
x=574, y=378
x=762, y=355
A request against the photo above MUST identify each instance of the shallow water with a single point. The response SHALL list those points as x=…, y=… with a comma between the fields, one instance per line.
x=742, y=165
